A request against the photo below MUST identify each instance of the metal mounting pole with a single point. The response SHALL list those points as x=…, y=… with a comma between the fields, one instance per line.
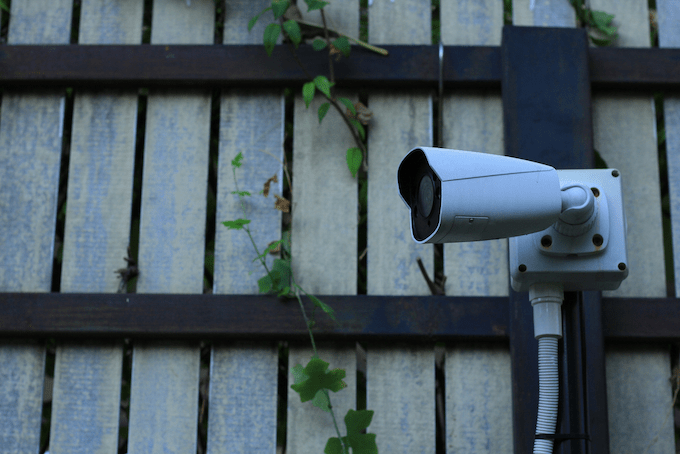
x=547, y=118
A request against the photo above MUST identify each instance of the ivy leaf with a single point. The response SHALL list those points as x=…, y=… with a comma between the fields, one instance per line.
x=323, y=109
x=265, y=283
x=342, y=44
x=319, y=44
x=293, y=30
x=349, y=105
x=237, y=224
x=360, y=128
x=279, y=7
x=355, y=421
x=323, y=84
x=308, y=92
x=323, y=306
x=318, y=379
x=251, y=22
x=315, y=4
x=271, y=35
x=354, y=158
x=236, y=162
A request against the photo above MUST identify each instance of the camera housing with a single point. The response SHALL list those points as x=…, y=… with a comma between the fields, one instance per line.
x=567, y=227
x=455, y=195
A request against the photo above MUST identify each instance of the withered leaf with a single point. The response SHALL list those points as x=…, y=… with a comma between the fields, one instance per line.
x=265, y=189
x=363, y=115
x=282, y=204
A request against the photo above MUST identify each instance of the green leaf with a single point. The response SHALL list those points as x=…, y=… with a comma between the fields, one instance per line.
x=251, y=22
x=349, y=104
x=237, y=224
x=319, y=44
x=293, y=30
x=271, y=35
x=241, y=193
x=308, y=92
x=279, y=7
x=355, y=421
x=354, y=158
x=323, y=109
x=323, y=306
x=318, y=379
x=342, y=44
x=265, y=283
x=236, y=162
x=360, y=128
x=323, y=84
x=601, y=19
x=315, y=4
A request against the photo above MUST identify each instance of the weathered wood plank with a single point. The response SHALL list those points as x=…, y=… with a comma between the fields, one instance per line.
x=86, y=394
x=399, y=378
x=30, y=152
x=324, y=240
x=165, y=375
x=543, y=13
x=668, y=13
x=478, y=391
x=638, y=390
x=244, y=376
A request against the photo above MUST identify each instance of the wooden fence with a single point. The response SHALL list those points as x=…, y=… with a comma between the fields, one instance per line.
x=243, y=376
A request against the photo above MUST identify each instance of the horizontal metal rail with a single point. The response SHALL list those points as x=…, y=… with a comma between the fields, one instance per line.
x=412, y=318
x=37, y=66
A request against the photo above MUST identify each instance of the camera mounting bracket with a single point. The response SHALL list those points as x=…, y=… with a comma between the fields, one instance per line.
x=594, y=259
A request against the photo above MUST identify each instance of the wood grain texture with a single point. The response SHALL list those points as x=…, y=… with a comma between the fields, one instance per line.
x=399, y=378
x=30, y=152
x=324, y=239
x=638, y=390
x=244, y=376
x=165, y=375
x=483, y=421
x=478, y=393
x=87, y=382
x=543, y=13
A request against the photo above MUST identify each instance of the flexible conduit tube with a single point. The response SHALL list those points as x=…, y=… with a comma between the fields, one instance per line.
x=546, y=300
x=548, y=393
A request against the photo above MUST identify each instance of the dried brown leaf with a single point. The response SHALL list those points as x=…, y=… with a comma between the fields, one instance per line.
x=282, y=204
x=265, y=189
x=364, y=114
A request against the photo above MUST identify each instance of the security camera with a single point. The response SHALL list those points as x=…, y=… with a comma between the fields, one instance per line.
x=566, y=226
x=458, y=195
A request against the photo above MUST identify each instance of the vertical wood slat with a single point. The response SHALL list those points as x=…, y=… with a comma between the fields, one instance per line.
x=30, y=152
x=638, y=390
x=324, y=241
x=165, y=375
x=87, y=377
x=668, y=13
x=478, y=388
x=399, y=377
x=243, y=376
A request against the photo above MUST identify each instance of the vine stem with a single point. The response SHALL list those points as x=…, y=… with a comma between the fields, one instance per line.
x=299, y=289
x=331, y=98
x=250, y=235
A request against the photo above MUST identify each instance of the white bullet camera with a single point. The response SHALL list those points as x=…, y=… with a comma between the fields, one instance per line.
x=568, y=225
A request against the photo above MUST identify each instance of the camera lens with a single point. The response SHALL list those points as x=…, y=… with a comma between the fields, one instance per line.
x=425, y=196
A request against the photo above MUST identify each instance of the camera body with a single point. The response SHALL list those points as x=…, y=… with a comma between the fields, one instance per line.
x=566, y=226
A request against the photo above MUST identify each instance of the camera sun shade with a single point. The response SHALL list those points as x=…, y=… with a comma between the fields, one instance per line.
x=456, y=196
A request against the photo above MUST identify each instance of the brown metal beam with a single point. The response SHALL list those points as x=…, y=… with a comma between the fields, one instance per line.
x=35, y=66
x=410, y=318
